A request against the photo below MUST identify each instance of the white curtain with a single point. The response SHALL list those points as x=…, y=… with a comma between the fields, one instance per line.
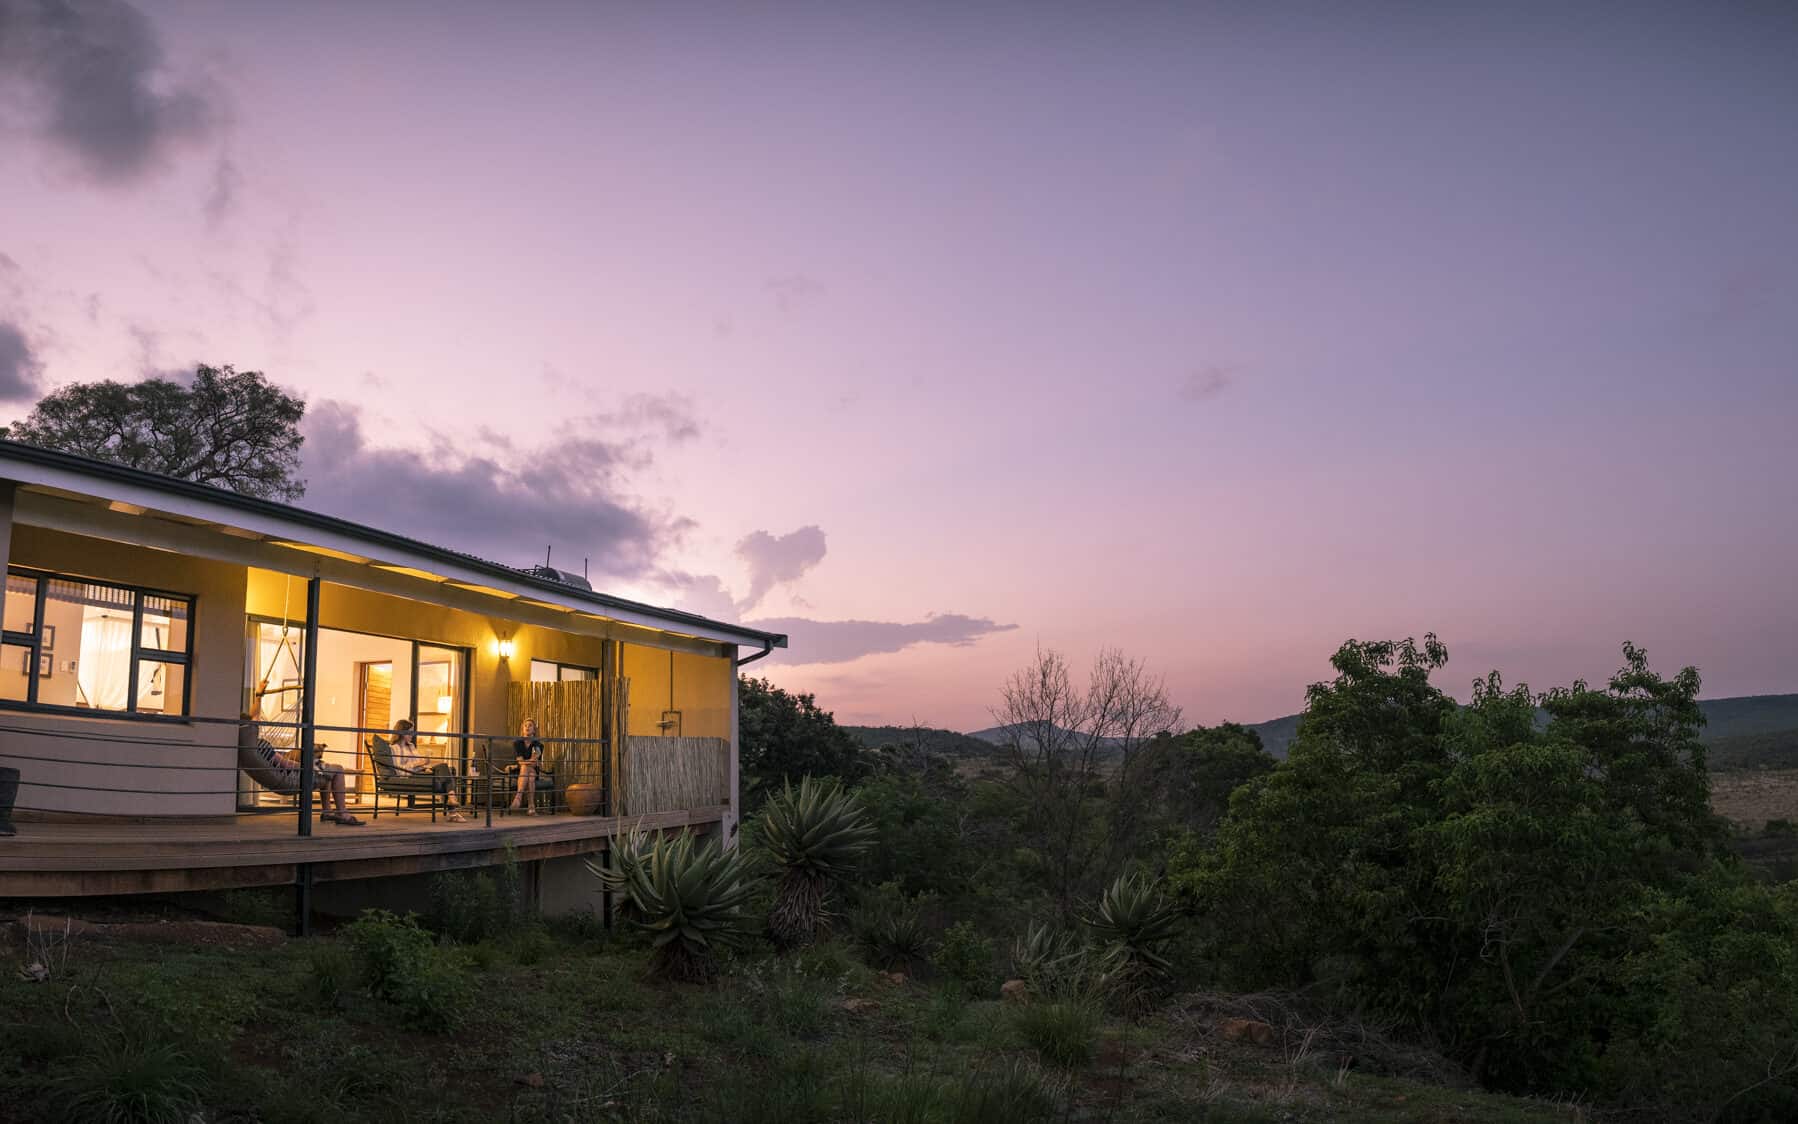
x=104, y=664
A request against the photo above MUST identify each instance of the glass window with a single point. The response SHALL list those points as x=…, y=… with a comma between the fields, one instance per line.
x=161, y=687
x=20, y=614
x=15, y=672
x=165, y=624
x=549, y=671
x=87, y=654
x=439, y=701
x=102, y=659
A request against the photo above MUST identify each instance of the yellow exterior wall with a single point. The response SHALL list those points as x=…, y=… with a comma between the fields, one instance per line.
x=221, y=676
x=701, y=691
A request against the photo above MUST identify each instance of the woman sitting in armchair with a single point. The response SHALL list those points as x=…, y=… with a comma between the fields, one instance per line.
x=408, y=758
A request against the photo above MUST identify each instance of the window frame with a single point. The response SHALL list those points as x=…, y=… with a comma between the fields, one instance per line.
x=33, y=642
x=560, y=667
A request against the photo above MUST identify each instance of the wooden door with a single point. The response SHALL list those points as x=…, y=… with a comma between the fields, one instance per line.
x=374, y=711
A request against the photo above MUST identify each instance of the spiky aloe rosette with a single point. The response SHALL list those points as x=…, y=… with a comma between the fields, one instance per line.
x=690, y=896
x=1135, y=922
x=816, y=834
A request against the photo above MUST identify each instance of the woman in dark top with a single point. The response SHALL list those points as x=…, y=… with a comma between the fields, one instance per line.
x=527, y=750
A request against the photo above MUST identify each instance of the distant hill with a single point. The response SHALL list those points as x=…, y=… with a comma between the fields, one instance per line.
x=1276, y=734
x=1749, y=714
x=1741, y=732
x=947, y=742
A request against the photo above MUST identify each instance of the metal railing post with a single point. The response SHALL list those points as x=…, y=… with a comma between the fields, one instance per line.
x=308, y=711
x=487, y=781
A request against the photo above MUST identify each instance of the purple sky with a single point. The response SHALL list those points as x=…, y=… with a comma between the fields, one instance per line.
x=930, y=333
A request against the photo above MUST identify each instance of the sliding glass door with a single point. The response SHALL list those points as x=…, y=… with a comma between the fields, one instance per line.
x=366, y=684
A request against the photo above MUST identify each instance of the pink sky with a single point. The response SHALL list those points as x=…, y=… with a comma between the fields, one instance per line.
x=1215, y=334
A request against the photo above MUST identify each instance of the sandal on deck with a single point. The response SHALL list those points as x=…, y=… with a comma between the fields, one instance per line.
x=343, y=818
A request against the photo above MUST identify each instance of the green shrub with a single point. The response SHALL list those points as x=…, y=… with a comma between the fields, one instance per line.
x=815, y=834
x=387, y=947
x=945, y=1019
x=890, y=927
x=134, y=1078
x=260, y=906
x=797, y=1006
x=483, y=956
x=828, y=961
x=531, y=946
x=786, y=1089
x=432, y=995
x=1136, y=924
x=1005, y=1093
x=865, y=1093
x=1779, y=828
x=690, y=897
x=468, y=906
x=1055, y=964
x=965, y=956
x=330, y=972
x=581, y=927
x=1062, y=1032
x=403, y=965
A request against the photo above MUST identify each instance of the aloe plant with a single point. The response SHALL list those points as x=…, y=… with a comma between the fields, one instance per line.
x=691, y=897
x=1135, y=920
x=815, y=833
x=1053, y=962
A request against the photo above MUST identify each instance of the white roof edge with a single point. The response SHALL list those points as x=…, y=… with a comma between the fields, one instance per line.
x=271, y=526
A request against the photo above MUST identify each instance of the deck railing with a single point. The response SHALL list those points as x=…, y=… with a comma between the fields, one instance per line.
x=654, y=774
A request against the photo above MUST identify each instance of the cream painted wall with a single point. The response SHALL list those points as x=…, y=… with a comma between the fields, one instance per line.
x=205, y=781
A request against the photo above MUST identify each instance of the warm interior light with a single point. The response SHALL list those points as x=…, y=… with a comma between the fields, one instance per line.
x=506, y=649
x=445, y=704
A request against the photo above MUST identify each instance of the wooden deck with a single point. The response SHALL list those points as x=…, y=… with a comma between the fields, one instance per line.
x=62, y=859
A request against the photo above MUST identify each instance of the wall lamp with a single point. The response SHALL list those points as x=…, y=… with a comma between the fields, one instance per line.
x=506, y=649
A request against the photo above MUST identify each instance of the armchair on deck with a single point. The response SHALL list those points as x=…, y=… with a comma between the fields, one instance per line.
x=505, y=784
x=391, y=779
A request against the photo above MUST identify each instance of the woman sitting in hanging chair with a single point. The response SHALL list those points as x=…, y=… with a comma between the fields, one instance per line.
x=279, y=770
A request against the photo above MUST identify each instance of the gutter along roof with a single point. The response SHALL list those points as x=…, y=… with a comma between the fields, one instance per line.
x=30, y=465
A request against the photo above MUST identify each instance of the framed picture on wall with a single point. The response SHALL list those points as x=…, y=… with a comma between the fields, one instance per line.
x=49, y=637
x=45, y=665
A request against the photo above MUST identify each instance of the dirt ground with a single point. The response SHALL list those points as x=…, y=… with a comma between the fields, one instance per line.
x=1751, y=797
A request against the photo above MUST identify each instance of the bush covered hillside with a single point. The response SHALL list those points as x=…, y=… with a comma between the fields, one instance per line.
x=1519, y=909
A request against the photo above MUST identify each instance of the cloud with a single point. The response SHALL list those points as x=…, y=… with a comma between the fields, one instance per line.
x=504, y=502
x=20, y=370
x=772, y=560
x=671, y=414
x=1207, y=382
x=794, y=290
x=813, y=641
x=222, y=196
x=701, y=593
x=91, y=75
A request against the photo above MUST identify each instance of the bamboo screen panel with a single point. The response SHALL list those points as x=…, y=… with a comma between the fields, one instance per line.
x=670, y=774
x=570, y=709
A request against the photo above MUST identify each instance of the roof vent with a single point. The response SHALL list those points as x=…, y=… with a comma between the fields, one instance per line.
x=550, y=573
